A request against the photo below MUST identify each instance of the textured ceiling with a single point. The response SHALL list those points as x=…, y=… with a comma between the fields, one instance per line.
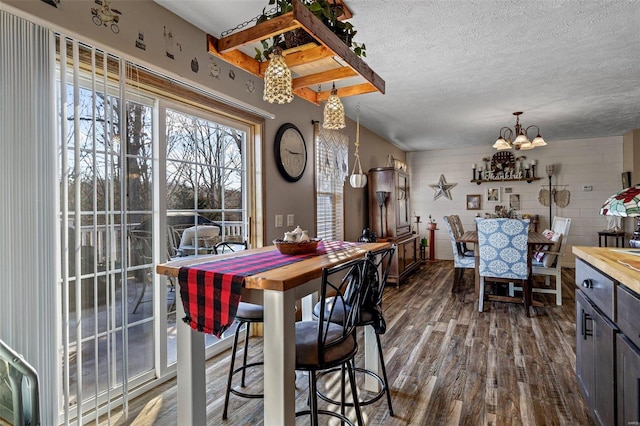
x=456, y=70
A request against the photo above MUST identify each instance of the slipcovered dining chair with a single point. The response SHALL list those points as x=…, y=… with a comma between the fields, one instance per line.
x=462, y=257
x=330, y=341
x=550, y=263
x=503, y=251
x=370, y=315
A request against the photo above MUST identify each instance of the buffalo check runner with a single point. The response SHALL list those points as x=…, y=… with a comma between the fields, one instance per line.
x=211, y=291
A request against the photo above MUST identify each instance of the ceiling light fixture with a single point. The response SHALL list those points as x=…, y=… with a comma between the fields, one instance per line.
x=333, y=111
x=277, y=80
x=521, y=141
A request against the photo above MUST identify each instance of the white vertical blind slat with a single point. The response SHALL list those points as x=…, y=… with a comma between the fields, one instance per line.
x=27, y=229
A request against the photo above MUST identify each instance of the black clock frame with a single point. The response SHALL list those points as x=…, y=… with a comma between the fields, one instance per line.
x=276, y=151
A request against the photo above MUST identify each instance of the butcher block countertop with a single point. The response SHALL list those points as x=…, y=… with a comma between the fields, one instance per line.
x=618, y=263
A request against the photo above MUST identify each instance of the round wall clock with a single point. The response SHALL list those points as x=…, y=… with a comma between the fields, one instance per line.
x=290, y=152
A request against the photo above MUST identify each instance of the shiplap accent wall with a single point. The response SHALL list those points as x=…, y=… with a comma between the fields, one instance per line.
x=596, y=162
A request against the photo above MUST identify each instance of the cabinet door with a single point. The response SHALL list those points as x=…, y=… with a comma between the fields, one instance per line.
x=403, y=218
x=584, y=346
x=595, y=344
x=628, y=382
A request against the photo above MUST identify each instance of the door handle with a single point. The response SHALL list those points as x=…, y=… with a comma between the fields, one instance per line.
x=585, y=331
x=587, y=283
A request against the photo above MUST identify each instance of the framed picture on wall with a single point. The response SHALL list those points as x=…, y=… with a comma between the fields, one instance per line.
x=473, y=201
x=493, y=195
x=514, y=201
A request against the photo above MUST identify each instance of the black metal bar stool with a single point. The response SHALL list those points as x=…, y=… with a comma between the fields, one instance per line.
x=370, y=315
x=247, y=314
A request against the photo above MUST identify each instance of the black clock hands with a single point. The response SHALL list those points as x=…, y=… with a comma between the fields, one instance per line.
x=292, y=152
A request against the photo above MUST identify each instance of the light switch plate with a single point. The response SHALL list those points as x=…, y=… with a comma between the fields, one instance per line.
x=279, y=219
x=290, y=219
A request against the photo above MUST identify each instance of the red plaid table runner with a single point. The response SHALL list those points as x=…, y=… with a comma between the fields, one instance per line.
x=210, y=292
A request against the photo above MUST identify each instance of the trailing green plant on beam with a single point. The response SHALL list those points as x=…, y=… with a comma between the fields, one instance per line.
x=327, y=12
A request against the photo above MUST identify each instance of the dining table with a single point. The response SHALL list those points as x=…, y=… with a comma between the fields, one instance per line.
x=277, y=289
x=535, y=241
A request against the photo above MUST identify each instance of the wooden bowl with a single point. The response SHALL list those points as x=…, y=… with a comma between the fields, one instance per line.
x=288, y=247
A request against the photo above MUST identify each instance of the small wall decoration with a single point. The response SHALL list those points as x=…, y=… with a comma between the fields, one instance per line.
x=106, y=16
x=493, y=195
x=170, y=44
x=194, y=65
x=232, y=75
x=514, y=201
x=214, y=69
x=508, y=190
x=474, y=201
x=251, y=86
x=626, y=180
x=140, y=44
x=442, y=188
x=53, y=3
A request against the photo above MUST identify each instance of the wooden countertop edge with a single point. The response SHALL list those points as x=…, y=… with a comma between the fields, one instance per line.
x=607, y=260
x=283, y=278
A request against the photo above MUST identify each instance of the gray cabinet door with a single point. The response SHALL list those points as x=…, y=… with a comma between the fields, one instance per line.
x=628, y=382
x=595, y=342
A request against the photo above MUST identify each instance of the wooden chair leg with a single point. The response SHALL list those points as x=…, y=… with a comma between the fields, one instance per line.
x=526, y=290
x=481, y=295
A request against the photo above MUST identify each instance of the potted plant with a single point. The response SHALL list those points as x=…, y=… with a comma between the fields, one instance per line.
x=326, y=11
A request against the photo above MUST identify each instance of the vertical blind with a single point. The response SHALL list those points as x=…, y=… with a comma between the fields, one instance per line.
x=29, y=194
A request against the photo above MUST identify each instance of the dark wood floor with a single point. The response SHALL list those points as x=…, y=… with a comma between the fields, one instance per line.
x=447, y=363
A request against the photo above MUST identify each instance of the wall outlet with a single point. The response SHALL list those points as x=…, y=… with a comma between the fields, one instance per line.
x=290, y=219
x=279, y=221
x=587, y=188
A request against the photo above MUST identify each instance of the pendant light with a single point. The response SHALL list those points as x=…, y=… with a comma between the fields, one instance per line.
x=277, y=80
x=357, y=180
x=333, y=111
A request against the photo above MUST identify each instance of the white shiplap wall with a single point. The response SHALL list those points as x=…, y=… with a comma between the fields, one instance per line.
x=596, y=162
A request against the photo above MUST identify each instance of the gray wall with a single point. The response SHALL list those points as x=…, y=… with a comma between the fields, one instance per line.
x=214, y=75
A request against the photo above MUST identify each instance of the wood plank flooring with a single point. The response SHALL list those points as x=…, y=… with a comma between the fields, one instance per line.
x=447, y=363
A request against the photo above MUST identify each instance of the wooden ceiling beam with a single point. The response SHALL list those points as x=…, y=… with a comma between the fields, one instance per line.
x=267, y=29
x=327, y=38
x=323, y=77
x=344, y=92
x=235, y=57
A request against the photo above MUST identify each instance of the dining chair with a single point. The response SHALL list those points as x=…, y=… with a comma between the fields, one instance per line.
x=247, y=314
x=550, y=264
x=462, y=257
x=330, y=341
x=503, y=252
x=370, y=315
x=229, y=246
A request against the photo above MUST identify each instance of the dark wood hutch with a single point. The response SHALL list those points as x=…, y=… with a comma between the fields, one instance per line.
x=390, y=218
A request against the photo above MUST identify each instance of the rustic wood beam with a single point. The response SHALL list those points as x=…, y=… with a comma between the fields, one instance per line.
x=235, y=57
x=344, y=92
x=307, y=94
x=327, y=38
x=272, y=27
x=323, y=77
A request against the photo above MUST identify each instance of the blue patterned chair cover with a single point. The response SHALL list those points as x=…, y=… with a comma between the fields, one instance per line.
x=462, y=258
x=502, y=246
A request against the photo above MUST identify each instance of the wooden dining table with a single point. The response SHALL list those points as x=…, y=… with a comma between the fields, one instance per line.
x=534, y=242
x=277, y=290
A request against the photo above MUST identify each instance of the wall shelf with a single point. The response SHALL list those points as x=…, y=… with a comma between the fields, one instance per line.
x=313, y=64
x=528, y=180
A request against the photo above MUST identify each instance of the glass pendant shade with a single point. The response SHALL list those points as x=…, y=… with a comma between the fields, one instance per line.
x=501, y=144
x=333, y=112
x=521, y=139
x=277, y=80
x=538, y=141
x=526, y=145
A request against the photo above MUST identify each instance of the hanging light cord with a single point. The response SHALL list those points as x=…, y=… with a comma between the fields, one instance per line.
x=357, y=144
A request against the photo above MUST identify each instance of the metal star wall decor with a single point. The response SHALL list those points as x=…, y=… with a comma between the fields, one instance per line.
x=442, y=188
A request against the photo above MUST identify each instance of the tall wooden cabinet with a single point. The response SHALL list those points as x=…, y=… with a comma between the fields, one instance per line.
x=390, y=218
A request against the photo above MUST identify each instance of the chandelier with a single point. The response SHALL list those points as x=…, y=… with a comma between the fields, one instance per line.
x=277, y=80
x=333, y=111
x=521, y=141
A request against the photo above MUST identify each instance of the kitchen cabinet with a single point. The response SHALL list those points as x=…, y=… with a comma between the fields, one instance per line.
x=608, y=334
